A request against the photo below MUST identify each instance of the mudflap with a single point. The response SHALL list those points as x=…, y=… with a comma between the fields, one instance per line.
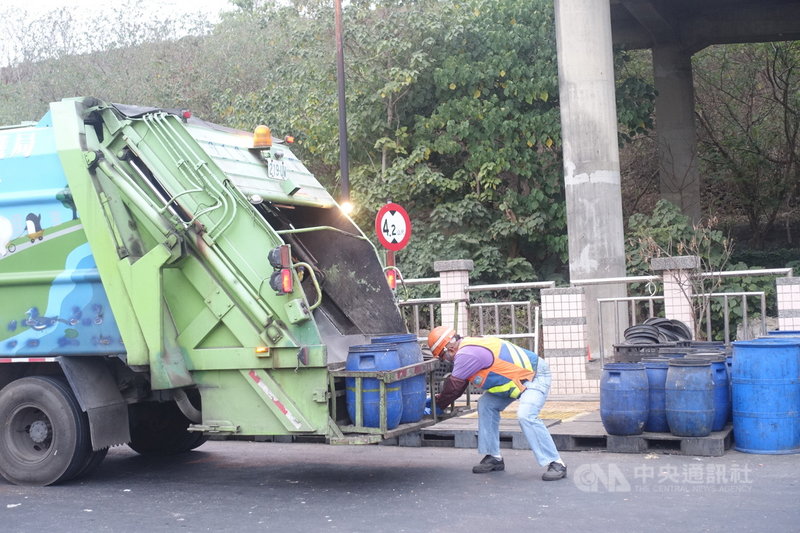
x=93, y=383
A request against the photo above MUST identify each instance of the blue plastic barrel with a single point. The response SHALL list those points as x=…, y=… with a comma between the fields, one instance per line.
x=656, y=377
x=671, y=353
x=624, y=398
x=784, y=333
x=413, y=389
x=722, y=390
x=766, y=395
x=689, y=397
x=729, y=365
x=371, y=358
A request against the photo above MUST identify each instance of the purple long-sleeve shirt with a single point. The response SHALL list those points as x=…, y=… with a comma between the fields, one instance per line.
x=470, y=360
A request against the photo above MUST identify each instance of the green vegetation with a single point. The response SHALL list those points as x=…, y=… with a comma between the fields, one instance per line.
x=452, y=112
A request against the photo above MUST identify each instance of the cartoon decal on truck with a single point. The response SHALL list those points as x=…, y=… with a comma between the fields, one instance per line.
x=33, y=223
x=74, y=319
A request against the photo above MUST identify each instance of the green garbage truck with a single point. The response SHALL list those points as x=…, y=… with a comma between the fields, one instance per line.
x=164, y=279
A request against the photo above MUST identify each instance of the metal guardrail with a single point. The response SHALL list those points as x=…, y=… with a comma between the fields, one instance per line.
x=523, y=326
x=512, y=286
x=788, y=272
x=630, y=301
x=726, y=311
x=652, y=299
x=530, y=313
x=491, y=313
x=603, y=281
x=496, y=311
x=433, y=305
x=725, y=296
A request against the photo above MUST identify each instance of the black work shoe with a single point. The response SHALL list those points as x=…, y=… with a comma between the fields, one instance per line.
x=555, y=471
x=488, y=464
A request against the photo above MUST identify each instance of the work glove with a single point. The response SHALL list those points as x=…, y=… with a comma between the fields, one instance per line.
x=428, y=410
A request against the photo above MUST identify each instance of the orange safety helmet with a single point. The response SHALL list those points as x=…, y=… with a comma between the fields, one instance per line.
x=438, y=339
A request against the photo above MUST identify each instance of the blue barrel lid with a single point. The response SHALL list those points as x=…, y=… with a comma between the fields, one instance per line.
x=767, y=341
x=372, y=348
x=714, y=357
x=683, y=361
x=623, y=366
x=399, y=337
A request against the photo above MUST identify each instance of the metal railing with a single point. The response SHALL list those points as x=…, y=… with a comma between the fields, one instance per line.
x=516, y=321
x=726, y=312
x=519, y=321
x=426, y=313
x=489, y=321
x=726, y=323
x=746, y=273
x=631, y=302
x=513, y=320
x=653, y=302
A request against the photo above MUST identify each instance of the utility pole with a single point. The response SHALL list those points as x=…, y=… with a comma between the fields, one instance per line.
x=344, y=165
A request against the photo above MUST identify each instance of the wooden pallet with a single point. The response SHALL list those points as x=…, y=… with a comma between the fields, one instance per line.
x=463, y=433
x=583, y=433
x=587, y=433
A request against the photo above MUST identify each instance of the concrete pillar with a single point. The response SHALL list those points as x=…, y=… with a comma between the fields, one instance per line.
x=675, y=128
x=677, y=276
x=591, y=154
x=453, y=283
x=788, y=303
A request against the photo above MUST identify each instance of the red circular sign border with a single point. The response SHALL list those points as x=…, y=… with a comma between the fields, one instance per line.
x=395, y=247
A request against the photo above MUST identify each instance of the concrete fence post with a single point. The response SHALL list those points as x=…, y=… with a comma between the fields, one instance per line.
x=788, y=303
x=453, y=283
x=678, y=292
x=566, y=345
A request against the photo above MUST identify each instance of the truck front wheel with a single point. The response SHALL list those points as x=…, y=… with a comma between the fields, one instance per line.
x=44, y=435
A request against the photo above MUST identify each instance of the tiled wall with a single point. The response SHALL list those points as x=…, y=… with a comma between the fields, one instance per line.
x=565, y=342
x=453, y=281
x=678, y=296
x=788, y=303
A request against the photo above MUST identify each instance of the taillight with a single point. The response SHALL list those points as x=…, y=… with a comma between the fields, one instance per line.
x=391, y=278
x=287, y=284
x=391, y=273
x=281, y=280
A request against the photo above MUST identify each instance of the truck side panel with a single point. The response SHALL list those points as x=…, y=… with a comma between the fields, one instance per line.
x=52, y=300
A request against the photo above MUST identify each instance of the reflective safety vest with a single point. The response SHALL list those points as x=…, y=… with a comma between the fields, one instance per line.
x=511, y=366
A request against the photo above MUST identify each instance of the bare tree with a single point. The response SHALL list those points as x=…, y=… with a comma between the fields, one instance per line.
x=749, y=115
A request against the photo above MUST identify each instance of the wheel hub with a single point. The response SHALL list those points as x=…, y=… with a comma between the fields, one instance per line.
x=39, y=431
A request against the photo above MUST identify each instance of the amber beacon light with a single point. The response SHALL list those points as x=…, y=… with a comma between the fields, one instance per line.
x=262, y=137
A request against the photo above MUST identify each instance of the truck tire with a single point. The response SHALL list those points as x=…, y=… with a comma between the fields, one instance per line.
x=160, y=429
x=93, y=460
x=44, y=435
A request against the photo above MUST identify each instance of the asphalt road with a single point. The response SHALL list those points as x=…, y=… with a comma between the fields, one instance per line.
x=247, y=486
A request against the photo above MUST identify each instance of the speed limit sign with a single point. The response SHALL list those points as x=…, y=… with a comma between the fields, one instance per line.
x=393, y=227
